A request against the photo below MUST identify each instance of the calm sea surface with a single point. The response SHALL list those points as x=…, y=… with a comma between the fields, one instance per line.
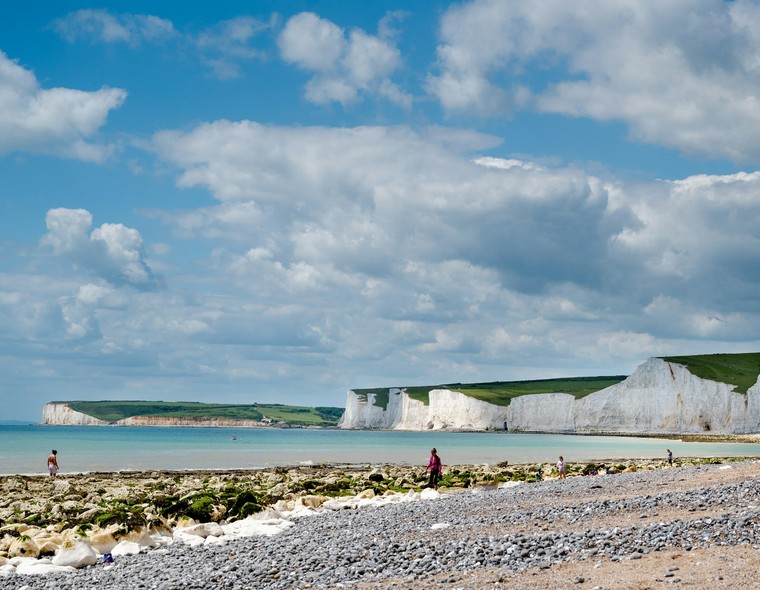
x=24, y=449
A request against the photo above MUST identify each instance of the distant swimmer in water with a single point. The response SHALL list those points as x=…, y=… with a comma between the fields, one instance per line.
x=233, y=437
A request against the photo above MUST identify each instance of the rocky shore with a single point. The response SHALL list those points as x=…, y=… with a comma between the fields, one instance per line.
x=651, y=523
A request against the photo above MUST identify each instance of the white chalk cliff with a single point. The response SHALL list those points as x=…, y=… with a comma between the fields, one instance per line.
x=60, y=414
x=446, y=410
x=659, y=397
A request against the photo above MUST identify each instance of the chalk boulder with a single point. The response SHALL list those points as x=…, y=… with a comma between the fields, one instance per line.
x=40, y=567
x=76, y=554
x=24, y=546
x=126, y=548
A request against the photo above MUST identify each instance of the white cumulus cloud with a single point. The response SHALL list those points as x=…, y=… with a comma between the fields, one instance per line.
x=344, y=66
x=112, y=251
x=55, y=120
x=682, y=74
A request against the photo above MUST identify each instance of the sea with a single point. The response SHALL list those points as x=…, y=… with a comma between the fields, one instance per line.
x=24, y=448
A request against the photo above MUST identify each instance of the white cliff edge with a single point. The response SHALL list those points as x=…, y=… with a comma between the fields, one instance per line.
x=60, y=414
x=659, y=397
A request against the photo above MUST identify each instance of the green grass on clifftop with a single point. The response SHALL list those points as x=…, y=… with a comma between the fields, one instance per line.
x=740, y=369
x=111, y=411
x=500, y=393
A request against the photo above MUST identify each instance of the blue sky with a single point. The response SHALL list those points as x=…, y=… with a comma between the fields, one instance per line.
x=277, y=202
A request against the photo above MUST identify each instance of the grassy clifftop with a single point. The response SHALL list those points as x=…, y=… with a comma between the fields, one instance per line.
x=741, y=370
x=500, y=393
x=111, y=411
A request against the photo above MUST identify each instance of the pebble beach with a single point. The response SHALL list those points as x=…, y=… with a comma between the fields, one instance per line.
x=644, y=526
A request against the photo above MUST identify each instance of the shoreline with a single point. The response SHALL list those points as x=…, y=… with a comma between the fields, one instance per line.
x=750, y=437
x=641, y=462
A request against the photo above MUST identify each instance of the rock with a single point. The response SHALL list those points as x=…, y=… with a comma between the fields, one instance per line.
x=16, y=527
x=184, y=522
x=429, y=494
x=279, y=490
x=47, y=546
x=24, y=547
x=41, y=567
x=103, y=540
x=78, y=553
x=284, y=506
x=129, y=548
x=310, y=502
x=180, y=536
x=205, y=529
x=70, y=506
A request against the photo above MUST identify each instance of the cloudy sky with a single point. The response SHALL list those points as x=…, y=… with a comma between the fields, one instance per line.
x=277, y=202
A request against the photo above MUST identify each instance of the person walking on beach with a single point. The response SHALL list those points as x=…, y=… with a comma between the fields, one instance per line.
x=53, y=463
x=561, y=467
x=670, y=457
x=434, y=467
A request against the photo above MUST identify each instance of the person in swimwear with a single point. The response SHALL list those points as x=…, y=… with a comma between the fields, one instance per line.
x=53, y=463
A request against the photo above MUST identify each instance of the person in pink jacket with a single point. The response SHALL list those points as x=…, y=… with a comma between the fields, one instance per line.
x=434, y=467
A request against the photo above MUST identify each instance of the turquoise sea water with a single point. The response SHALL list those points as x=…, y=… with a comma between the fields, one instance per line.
x=24, y=449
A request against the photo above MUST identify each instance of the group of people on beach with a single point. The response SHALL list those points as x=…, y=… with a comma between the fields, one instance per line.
x=435, y=467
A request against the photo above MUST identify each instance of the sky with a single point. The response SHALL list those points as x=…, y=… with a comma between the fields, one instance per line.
x=277, y=202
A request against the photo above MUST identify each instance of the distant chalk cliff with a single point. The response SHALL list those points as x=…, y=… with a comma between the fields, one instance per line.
x=60, y=414
x=659, y=397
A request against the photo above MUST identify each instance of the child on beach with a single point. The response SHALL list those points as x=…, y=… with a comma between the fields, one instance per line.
x=434, y=466
x=53, y=463
x=561, y=467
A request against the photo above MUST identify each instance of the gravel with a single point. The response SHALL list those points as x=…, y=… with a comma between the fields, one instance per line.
x=535, y=526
